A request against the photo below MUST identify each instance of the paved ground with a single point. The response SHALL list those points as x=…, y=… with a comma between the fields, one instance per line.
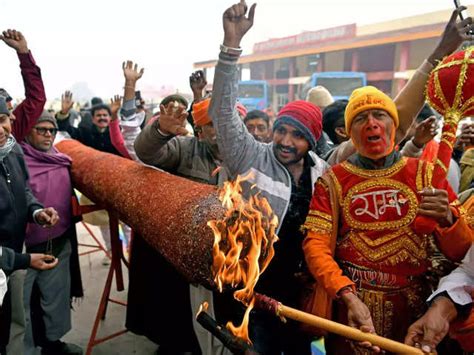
x=93, y=276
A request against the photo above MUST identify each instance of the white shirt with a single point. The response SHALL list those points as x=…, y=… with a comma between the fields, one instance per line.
x=3, y=281
x=460, y=282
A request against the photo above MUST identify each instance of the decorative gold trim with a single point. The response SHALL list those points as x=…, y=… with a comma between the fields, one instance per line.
x=419, y=175
x=323, y=215
x=375, y=173
x=449, y=134
x=441, y=165
x=454, y=63
x=428, y=177
x=315, y=230
x=439, y=92
x=381, y=182
x=433, y=104
x=462, y=78
x=449, y=143
x=337, y=185
x=317, y=223
x=452, y=117
x=455, y=203
x=396, y=247
x=468, y=103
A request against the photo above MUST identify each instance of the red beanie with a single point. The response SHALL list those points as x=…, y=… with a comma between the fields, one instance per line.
x=303, y=115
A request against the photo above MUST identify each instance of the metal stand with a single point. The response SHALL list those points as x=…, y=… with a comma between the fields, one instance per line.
x=79, y=210
x=114, y=269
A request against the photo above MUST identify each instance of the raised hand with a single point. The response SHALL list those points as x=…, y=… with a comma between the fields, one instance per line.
x=236, y=24
x=425, y=131
x=15, y=40
x=131, y=72
x=455, y=33
x=66, y=102
x=115, y=104
x=197, y=82
x=173, y=119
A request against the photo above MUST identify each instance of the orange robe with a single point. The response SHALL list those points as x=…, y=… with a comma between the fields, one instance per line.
x=377, y=251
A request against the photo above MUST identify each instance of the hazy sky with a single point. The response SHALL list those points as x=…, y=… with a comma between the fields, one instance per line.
x=86, y=41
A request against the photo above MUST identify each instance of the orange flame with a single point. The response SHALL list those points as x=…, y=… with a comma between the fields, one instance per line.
x=243, y=245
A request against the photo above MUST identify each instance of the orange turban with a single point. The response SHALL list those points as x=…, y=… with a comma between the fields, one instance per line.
x=200, y=112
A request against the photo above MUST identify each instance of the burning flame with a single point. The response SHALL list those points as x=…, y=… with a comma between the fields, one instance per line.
x=243, y=245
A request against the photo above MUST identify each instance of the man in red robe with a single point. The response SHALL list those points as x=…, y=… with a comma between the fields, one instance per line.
x=375, y=264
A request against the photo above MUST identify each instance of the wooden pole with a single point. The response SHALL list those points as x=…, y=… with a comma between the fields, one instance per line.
x=346, y=331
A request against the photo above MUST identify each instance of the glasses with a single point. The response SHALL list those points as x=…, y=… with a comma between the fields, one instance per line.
x=43, y=130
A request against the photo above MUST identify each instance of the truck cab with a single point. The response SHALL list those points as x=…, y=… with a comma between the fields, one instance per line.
x=253, y=94
x=340, y=84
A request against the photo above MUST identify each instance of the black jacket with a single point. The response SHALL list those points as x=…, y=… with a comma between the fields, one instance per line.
x=17, y=202
x=90, y=136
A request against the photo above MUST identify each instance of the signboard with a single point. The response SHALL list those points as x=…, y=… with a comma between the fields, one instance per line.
x=305, y=39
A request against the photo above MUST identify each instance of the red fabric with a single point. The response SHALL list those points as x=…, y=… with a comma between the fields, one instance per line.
x=442, y=91
x=116, y=138
x=463, y=331
x=430, y=151
x=386, y=261
x=448, y=78
x=451, y=241
x=307, y=113
x=28, y=112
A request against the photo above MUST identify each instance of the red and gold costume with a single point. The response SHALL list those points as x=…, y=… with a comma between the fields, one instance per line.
x=377, y=251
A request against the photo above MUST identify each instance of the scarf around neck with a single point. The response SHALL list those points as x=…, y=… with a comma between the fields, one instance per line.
x=50, y=183
x=7, y=147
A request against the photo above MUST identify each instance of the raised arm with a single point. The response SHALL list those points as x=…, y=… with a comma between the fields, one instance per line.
x=63, y=116
x=132, y=75
x=236, y=145
x=411, y=98
x=114, y=128
x=159, y=144
x=130, y=120
x=31, y=108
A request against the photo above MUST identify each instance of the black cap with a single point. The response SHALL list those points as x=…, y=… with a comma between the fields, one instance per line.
x=96, y=101
x=3, y=107
x=5, y=95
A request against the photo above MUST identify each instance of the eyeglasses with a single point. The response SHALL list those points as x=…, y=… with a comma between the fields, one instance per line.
x=43, y=130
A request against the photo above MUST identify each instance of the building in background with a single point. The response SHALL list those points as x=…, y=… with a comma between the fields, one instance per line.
x=388, y=53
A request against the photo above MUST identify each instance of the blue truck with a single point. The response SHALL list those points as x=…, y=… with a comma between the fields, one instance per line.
x=257, y=94
x=340, y=83
x=254, y=94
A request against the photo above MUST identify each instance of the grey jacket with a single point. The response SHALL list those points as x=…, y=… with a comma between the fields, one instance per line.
x=241, y=153
x=181, y=155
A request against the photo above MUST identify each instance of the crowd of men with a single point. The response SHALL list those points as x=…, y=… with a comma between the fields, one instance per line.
x=345, y=178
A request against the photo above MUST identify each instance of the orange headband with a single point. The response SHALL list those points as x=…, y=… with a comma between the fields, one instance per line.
x=200, y=112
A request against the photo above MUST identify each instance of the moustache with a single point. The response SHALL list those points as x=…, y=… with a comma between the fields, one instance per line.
x=289, y=149
x=103, y=120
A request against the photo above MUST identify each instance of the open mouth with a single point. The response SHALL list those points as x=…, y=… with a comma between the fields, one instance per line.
x=374, y=139
x=286, y=150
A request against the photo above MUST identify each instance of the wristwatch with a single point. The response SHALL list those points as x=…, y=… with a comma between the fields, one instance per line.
x=230, y=50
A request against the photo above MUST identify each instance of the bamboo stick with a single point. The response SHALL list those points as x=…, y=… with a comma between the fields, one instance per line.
x=346, y=331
